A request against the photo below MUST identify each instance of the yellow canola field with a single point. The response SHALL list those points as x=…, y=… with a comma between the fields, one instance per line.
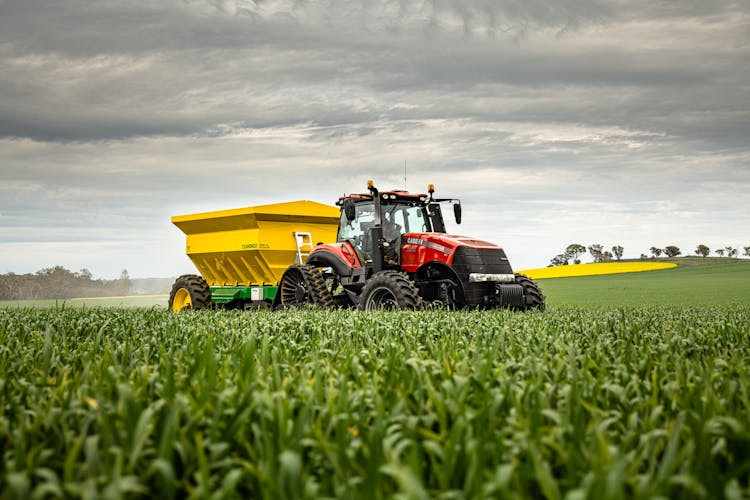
x=595, y=269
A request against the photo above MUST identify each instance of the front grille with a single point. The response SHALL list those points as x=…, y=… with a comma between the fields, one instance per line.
x=511, y=295
x=480, y=260
x=489, y=294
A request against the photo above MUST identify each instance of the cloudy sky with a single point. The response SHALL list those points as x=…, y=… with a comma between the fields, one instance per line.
x=587, y=121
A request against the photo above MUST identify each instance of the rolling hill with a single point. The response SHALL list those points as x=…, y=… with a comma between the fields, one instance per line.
x=695, y=281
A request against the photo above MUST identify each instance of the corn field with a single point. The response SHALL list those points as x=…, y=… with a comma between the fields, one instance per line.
x=566, y=403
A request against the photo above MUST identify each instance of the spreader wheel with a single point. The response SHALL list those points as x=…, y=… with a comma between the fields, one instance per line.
x=533, y=296
x=390, y=290
x=189, y=292
x=303, y=285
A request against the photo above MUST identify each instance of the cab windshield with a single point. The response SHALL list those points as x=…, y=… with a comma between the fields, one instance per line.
x=397, y=219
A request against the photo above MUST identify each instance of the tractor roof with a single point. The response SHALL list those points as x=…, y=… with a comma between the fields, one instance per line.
x=386, y=196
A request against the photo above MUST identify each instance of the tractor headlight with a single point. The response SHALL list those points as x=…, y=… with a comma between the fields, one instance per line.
x=497, y=278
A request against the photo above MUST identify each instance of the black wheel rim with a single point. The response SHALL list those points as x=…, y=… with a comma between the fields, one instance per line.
x=382, y=298
x=293, y=289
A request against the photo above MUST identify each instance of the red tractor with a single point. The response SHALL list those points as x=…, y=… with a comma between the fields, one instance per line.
x=392, y=252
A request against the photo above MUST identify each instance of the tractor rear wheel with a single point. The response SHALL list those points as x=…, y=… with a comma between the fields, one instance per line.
x=189, y=292
x=533, y=296
x=390, y=290
x=303, y=285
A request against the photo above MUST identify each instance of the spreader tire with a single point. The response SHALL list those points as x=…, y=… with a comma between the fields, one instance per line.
x=533, y=296
x=303, y=285
x=390, y=290
x=189, y=292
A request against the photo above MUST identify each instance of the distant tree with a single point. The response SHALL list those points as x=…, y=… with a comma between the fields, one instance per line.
x=644, y=256
x=731, y=251
x=597, y=252
x=606, y=256
x=560, y=259
x=122, y=285
x=617, y=250
x=56, y=282
x=575, y=250
x=719, y=252
x=655, y=251
x=6, y=286
x=747, y=251
x=703, y=251
x=672, y=251
x=85, y=274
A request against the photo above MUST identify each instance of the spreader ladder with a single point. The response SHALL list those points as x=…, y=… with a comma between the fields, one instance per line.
x=304, y=245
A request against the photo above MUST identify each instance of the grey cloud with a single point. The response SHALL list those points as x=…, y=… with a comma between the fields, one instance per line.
x=111, y=70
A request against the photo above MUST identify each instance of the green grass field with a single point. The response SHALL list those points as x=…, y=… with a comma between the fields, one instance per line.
x=694, y=282
x=131, y=301
x=625, y=387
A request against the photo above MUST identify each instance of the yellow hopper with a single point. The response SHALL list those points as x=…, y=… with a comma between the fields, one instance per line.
x=253, y=246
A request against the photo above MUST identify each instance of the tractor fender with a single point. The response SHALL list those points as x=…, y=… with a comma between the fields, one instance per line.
x=340, y=256
x=436, y=267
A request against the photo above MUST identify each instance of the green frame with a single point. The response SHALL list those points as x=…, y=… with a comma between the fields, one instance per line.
x=228, y=294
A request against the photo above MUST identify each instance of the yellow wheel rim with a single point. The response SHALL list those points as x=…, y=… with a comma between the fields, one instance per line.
x=182, y=300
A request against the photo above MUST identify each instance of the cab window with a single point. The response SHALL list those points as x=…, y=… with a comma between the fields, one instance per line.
x=416, y=222
x=410, y=219
x=357, y=232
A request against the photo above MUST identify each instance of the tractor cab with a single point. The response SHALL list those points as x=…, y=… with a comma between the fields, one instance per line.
x=391, y=214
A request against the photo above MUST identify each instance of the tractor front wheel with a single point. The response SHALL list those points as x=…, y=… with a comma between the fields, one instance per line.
x=390, y=290
x=533, y=296
x=189, y=292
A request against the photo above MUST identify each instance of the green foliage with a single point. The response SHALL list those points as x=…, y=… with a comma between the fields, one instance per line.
x=672, y=251
x=702, y=250
x=566, y=403
x=59, y=283
x=617, y=251
x=597, y=252
x=575, y=250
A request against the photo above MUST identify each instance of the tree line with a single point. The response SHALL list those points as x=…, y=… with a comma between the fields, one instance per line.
x=701, y=250
x=60, y=283
x=574, y=251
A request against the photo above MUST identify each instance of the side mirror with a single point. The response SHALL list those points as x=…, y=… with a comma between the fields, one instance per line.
x=457, y=212
x=349, y=210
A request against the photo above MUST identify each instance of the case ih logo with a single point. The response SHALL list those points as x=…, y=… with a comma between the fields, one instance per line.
x=429, y=244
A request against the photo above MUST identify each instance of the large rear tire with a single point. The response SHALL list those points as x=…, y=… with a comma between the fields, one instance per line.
x=303, y=285
x=189, y=292
x=390, y=290
x=533, y=296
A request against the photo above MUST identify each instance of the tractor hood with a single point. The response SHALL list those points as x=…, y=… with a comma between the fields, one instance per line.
x=447, y=241
x=456, y=240
x=420, y=248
